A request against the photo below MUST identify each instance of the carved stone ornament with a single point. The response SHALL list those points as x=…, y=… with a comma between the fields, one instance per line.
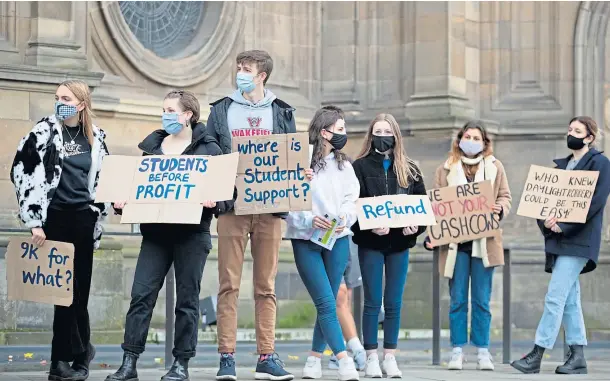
x=215, y=32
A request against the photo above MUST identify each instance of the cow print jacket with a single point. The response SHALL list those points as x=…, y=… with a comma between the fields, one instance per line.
x=37, y=168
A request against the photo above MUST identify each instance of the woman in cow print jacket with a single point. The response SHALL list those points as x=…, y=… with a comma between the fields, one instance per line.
x=55, y=173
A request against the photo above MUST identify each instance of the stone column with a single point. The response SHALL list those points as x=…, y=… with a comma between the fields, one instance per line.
x=440, y=99
x=58, y=36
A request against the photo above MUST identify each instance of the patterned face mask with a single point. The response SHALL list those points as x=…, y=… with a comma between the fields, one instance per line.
x=64, y=111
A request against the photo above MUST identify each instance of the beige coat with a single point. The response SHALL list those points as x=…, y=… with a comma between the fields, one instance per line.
x=495, y=250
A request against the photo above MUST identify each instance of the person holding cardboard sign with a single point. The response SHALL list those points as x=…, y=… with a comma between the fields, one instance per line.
x=55, y=173
x=251, y=110
x=186, y=246
x=471, y=161
x=334, y=193
x=383, y=168
x=571, y=249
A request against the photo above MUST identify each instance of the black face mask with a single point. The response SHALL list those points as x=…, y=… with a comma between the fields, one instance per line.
x=383, y=143
x=575, y=143
x=338, y=141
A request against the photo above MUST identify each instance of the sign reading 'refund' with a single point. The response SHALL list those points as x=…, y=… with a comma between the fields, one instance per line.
x=395, y=211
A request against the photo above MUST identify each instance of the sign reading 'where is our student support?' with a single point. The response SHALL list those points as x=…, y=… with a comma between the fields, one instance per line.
x=552, y=192
x=166, y=189
x=271, y=173
x=41, y=274
x=463, y=213
x=396, y=211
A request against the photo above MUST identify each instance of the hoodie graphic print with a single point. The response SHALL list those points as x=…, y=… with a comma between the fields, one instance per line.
x=248, y=119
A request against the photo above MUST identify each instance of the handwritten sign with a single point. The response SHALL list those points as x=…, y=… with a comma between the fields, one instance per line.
x=551, y=192
x=271, y=174
x=396, y=211
x=40, y=274
x=463, y=213
x=166, y=189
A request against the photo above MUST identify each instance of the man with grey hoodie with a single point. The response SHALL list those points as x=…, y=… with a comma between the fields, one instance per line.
x=251, y=110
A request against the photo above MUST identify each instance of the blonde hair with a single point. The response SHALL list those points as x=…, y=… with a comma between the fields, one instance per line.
x=85, y=116
x=404, y=168
x=455, y=154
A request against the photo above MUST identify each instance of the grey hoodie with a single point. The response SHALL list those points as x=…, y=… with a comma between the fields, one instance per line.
x=248, y=119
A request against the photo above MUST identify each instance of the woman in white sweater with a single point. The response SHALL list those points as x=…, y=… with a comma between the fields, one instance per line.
x=335, y=190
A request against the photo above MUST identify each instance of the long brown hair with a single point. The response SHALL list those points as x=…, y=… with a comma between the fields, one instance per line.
x=404, y=167
x=455, y=154
x=324, y=119
x=85, y=116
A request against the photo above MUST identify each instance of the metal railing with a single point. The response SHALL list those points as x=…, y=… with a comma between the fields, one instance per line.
x=357, y=303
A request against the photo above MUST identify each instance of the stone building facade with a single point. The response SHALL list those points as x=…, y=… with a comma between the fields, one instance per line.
x=524, y=67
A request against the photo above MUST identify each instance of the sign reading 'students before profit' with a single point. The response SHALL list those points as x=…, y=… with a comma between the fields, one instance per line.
x=166, y=189
x=41, y=274
x=396, y=211
x=551, y=192
x=271, y=173
x=463, y=213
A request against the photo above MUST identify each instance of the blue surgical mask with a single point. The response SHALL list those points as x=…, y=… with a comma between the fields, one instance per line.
x=471, y=147
x=64, y=111
x=245, y=82
x=171, y=125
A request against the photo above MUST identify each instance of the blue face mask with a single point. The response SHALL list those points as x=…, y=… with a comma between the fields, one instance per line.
x=171, y=125
x=64, y=111
x=470, y=147
x=245, y=82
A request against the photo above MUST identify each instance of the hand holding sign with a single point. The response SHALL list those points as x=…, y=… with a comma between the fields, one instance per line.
x=38, y=236
x=381, y=231
x=409, y=230
x=209, y=204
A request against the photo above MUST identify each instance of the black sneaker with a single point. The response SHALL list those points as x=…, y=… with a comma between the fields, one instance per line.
x=227, y=368
x=272, y=368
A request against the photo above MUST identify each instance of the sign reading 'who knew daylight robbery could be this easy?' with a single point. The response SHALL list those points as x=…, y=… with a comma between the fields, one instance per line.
x=271, y=173
x=42, y=274
x=552, y=192
x=463, y=213
x=395, y=211
x=166, y=189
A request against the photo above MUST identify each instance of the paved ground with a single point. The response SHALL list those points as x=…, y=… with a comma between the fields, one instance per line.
x=598, y=371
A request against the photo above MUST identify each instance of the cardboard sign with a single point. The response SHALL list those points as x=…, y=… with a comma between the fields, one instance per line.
x=166, y=189
x=463, y=213
x=557, y=193
x=396, y=211
x=271, y=174
x=40, y=274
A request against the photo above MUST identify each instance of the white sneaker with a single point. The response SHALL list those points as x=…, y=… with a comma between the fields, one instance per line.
x=360, y=358
x=313, y=368
x=372, y=369
x=333, y=363
x=347, y=370
x=485, y=361
x=457, y=358
x=389, y=366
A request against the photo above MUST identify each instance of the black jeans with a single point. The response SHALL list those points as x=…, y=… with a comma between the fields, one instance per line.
x=71, y=330
x=188, y=254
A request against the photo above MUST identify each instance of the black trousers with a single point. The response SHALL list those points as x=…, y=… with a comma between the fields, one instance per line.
x=188, y=253
x=71, y=330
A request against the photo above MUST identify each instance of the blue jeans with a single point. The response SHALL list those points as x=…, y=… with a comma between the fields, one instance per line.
x=467, y=268
x=372, y=265
x=321, y=271
x=562, y=302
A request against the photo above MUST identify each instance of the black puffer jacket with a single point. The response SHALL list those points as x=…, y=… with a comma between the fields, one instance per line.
x=203, y=144
x=373, y=183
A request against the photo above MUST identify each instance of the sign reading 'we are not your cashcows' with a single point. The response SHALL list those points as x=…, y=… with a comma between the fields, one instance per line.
x=271, y=173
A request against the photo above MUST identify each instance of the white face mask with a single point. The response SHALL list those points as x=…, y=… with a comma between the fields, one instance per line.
x=471, y=147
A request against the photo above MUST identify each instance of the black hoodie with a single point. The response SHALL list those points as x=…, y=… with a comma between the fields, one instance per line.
x=203, y=144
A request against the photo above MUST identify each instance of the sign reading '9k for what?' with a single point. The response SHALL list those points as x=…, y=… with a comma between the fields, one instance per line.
x=551, y=192
x=271, y=173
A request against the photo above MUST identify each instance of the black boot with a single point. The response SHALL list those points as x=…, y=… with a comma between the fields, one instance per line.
x=61, y=371
x=576, y=363
x=531, y=362
x=81, y=362
x=178, y=372
x=127, y=371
